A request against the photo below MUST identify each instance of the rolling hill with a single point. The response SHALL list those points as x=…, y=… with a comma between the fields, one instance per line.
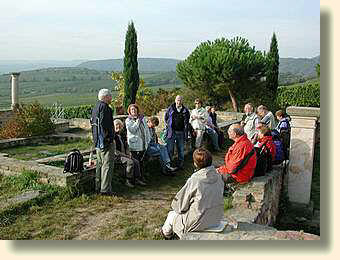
x=7, y=66
x=144, y=64
x=300, y=67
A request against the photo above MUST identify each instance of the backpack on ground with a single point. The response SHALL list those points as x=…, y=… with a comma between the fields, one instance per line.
x=263, y=160
x=74, y=162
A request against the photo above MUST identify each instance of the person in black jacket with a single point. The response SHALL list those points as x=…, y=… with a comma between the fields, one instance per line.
x=103, y=138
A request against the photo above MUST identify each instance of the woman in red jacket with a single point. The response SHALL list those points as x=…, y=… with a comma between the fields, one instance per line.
x=265, y=137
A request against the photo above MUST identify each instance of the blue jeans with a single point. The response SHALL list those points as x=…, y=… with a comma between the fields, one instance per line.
x=214, y=137
x=177, y=136
x=155, y=149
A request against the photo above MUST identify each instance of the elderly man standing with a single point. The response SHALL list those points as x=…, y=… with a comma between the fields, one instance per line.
x=240, y=160
x=177, y=122
x=250, y=122
x=103, y=138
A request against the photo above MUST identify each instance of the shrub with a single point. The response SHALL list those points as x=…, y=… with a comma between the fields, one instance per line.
x=28, y=120
x=83, y=111
x=306, y=95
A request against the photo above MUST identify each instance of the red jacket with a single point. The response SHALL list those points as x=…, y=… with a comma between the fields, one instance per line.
x=270, y=145
x=233, y=158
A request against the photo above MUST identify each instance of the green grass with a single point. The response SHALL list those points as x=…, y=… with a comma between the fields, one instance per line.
x=132, y=214
x=65, y=214
x=46, y=150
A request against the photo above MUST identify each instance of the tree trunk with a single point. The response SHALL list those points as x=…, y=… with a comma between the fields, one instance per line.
x=233, y=100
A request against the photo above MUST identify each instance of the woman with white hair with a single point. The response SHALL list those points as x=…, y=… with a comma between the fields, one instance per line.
x=123, y=157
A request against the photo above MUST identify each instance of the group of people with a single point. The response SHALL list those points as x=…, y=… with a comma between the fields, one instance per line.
x=129, y=143
x=199, y=203
x=128, y=146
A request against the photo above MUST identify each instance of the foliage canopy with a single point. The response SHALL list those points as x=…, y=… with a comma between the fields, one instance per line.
x=222, y=67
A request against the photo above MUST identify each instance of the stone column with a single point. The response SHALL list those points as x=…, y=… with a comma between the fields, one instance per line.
x=303, y=125
x=15, y=89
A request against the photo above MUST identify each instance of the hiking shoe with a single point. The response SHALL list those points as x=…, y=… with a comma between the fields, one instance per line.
x=170, y=169
x=129, y=184
x=140, y=182
x=164, y=236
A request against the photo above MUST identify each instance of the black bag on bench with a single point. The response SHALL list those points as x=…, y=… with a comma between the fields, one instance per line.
x=74, y=162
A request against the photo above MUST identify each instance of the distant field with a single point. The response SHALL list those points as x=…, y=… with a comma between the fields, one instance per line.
x=71, y=86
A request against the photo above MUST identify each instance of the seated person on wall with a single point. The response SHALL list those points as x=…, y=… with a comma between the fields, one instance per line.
x=283, y=124
x=265, y=138
x=198, y=120
x=212, y=131
x=266, y=116
x=237, y=154
x=213, y=116
x=138, y=137
x=250, y=122
x=156, y=149
x=199, y=204
x=283, y=129
x=123, y=156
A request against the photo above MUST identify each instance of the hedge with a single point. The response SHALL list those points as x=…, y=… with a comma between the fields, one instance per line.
x=83, y=111
x=306, y=95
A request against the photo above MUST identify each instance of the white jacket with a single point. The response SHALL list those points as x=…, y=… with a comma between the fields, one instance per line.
x=199, y=203
x=134, y=134
x=200, y=123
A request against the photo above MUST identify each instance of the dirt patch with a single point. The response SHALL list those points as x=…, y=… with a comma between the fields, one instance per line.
x=112, y=223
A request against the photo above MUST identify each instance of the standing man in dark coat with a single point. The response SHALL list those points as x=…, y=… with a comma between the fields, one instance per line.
x=103, y=138
x=177, y=122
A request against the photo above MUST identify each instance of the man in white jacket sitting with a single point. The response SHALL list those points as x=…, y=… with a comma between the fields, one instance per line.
x=198, y=120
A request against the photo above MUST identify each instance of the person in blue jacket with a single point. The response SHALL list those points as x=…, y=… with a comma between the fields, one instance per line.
x=177, y=124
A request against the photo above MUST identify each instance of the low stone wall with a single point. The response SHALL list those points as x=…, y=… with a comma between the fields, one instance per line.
x=5, y=115
x=50, y=174
x=255, y=208
x=227, y=116
x=264, y=196
x=58, y=138
x=84, y=123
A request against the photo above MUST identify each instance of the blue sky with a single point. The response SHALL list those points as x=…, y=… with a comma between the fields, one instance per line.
x=83, y=29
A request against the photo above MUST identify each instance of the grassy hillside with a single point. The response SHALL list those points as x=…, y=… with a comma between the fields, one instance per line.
x=294, y=70
x=79, y=85
x=71, y=86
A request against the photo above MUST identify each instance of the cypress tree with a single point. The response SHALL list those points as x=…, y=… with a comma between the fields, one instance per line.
x=130, y=72
x=272, y=75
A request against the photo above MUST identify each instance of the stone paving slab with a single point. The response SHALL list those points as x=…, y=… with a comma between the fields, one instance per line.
x=23, y=197
x=248, y=231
